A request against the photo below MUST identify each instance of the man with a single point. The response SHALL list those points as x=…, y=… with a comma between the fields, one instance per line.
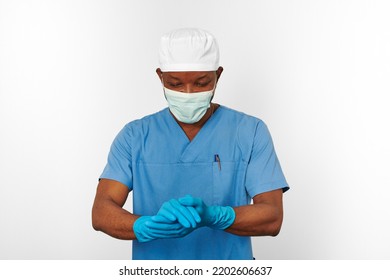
x=193, y=168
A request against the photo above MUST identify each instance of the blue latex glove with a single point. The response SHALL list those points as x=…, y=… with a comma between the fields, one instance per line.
x=216, y=217
x=173, y=211
x=145, y=229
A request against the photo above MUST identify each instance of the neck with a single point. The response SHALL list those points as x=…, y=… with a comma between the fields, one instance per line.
x=191, y=129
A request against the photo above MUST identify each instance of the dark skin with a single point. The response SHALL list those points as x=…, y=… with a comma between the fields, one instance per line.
x=262, y=218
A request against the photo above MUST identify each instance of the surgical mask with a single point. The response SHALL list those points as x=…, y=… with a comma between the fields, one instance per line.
x=188, y=107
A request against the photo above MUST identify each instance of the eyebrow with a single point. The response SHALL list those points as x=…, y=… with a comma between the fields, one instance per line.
x=172, y=77
x=201, y=77
x=175, y=78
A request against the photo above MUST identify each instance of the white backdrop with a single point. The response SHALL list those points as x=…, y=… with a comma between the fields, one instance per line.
x=73, y=73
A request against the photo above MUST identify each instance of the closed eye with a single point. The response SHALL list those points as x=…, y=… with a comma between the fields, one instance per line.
x=175, y=84
x=202, y=84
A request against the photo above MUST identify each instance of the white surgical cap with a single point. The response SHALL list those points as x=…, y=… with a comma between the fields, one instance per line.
x=188, y=49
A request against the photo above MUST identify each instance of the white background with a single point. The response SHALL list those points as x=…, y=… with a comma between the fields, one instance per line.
x=73, y=73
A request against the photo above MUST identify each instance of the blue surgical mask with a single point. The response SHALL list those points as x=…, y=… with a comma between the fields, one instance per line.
x=188, y=107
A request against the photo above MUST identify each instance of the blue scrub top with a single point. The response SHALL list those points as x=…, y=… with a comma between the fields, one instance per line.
x=154, y=158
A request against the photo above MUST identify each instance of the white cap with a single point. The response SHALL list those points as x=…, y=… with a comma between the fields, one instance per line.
x=188, y=49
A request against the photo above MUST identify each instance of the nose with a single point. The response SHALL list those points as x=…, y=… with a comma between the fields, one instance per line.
x=187, y=88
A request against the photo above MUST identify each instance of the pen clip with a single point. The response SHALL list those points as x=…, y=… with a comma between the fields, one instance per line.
x=217, y=159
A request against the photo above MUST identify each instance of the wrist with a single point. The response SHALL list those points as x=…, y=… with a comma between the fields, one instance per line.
x=140, y=230
x=221, y=217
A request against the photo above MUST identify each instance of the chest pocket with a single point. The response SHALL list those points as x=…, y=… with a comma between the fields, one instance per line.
x=229, y=183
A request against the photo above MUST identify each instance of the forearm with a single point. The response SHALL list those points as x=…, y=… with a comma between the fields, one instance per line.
x=113, y=220
x=257, y=220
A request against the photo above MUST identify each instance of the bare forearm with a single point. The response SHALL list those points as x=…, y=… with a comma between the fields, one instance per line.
x=257, y=220
x=113, y=220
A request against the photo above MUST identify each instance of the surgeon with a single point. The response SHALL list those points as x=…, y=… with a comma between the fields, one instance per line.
x=204, y=177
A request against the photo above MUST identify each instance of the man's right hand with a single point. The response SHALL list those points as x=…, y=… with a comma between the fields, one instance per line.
x=145, y=229
x=173, y=210
x=173, y=220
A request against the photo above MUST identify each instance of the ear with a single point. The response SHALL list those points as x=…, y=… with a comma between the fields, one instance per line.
x=159, y=73
x=219, y=72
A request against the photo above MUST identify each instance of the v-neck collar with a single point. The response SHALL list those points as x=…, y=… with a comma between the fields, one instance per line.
x=192, y=146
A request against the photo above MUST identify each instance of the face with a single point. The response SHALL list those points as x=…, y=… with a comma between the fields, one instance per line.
x=190, y=82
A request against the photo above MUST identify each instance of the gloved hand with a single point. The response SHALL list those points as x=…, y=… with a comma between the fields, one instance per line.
x=172, y=220
x=216, y=217
x=145, y=229
x=173, y=211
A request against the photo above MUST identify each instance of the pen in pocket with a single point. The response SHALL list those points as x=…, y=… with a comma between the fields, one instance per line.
x=217, y=159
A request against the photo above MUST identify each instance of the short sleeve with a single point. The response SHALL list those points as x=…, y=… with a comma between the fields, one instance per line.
x=264, y=172
x=119, y=162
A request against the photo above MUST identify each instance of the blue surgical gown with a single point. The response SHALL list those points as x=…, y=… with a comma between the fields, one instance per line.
x=230, y=160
